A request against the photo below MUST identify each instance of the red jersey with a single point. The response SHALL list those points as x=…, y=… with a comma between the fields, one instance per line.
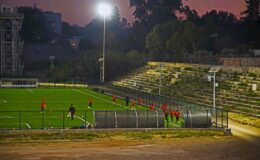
x=90, y=101
x=43, y=104
x=172, y=113
x=151, y=107
x=164, y=107
x=140, y=102
x=133, y=103
x=114, y=98
x=177, y=114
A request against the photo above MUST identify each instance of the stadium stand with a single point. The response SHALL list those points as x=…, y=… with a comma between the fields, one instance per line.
x=238, y=87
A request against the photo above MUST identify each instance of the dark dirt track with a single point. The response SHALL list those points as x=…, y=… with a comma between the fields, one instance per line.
x=198, y=148
x=243, y=145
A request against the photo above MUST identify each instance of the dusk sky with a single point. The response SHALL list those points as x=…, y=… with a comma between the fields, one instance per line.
x=82, y=11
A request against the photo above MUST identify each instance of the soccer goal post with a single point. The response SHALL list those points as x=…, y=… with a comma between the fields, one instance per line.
x=18, y=83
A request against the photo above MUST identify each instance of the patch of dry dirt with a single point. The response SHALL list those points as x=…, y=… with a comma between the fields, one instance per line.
x=198, y=148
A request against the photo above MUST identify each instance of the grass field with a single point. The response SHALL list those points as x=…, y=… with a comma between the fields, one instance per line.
x=25, y=103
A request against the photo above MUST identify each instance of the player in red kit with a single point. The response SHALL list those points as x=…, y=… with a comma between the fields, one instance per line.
x=177, y=113
x=172, y=114
x=140, y=102
x=114, y=98
x=43, y=105
x=151, y=107
x=164, y=107
x=133, y=104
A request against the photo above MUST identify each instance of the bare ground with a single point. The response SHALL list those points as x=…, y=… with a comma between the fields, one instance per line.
x=245, y=144
x=190, y=148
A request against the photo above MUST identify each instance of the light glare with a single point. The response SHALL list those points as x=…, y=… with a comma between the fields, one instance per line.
x=104, y=9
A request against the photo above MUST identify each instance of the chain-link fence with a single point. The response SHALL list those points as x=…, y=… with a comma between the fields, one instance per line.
x=112, y=119
x=60, y=119
x=49, y=119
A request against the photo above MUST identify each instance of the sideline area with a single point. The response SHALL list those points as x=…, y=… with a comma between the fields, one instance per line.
x=157, y=148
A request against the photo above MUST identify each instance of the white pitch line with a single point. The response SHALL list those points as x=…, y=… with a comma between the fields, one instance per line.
x=98, y=98
x=6, y=117
x=3, y=101
x=30, y=90
x=174, y=125
x=54, y=101
x=28, y=125
x=82, y=119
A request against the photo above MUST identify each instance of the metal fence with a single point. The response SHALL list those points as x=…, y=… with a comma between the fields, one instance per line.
x=219, y=116
x=60, y=119
x=49, y=119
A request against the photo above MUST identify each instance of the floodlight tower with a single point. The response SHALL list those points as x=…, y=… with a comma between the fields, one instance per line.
x=104, y=10
x=11, y=45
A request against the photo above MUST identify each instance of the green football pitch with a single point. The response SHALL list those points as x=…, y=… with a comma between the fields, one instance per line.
x=20, y=108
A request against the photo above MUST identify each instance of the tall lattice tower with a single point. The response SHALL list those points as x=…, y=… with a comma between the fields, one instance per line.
x=10, y=44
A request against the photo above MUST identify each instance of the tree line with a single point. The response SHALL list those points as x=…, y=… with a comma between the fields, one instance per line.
x=164, y=30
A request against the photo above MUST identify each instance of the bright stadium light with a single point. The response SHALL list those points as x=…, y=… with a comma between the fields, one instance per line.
x=104, y=10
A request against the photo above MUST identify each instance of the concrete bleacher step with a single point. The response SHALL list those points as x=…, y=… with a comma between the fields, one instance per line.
x=234, y=89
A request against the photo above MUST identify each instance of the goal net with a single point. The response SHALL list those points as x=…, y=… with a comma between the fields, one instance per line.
x=18, y=83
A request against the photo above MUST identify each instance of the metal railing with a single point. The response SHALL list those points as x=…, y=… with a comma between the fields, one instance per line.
x=219, y=116
x=61, y=119
x=48, y=119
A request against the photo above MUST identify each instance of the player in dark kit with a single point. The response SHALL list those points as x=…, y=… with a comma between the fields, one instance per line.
x=126, y=101
x=166, y=115
x=72, y=111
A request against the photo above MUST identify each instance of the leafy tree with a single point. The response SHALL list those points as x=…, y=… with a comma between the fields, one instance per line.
x=149, y=13
x=175, y=37
x=252, y=13
x=219, y=26
x=155, y=11
x=156, y=39
x=190, y=15
x=251, y=24
x=192, y=35
x=67, y=30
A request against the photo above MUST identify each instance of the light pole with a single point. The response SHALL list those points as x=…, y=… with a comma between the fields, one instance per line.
x=100, y=61
x=160, y=79
x=51, y=59
x=104, y=10
x=210, y=77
